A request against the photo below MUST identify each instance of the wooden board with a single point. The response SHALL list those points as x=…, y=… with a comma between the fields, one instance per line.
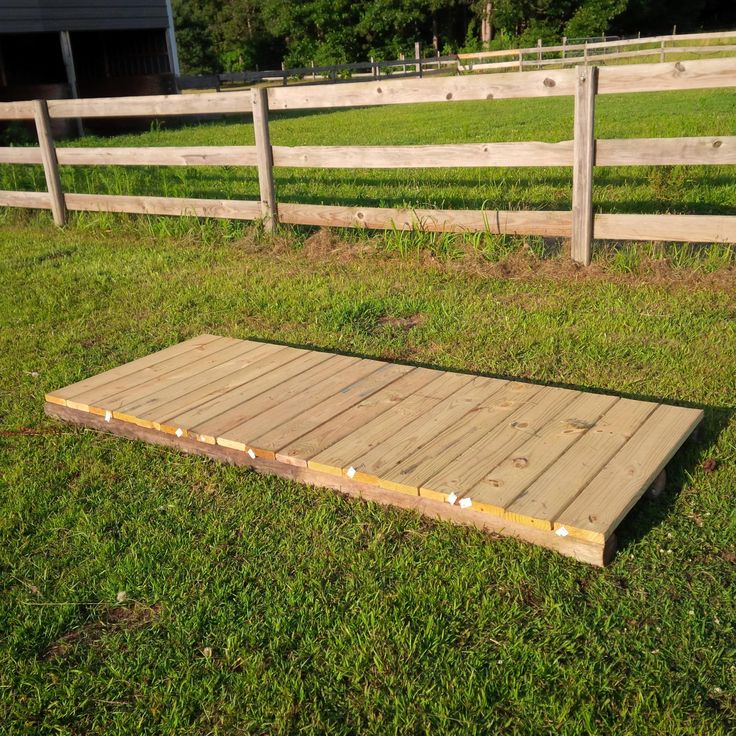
x=555, y=466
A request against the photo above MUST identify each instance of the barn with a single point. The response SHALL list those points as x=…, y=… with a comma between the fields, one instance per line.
x=86, y=48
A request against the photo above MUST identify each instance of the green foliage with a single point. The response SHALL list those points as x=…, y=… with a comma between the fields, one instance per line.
x=593, y=17
x=244, y=34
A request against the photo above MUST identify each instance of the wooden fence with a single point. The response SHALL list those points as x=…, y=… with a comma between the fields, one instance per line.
x=418, y=66
x=583, y=153
x=656, y=48
x=564, y=54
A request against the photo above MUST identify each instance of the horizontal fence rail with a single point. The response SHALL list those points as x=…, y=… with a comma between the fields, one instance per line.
x=583, y=153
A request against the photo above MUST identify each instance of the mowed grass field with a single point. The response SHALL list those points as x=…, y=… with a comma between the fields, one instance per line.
x=146, y=591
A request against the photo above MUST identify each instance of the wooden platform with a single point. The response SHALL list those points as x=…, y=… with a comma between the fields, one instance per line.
x=553, y=466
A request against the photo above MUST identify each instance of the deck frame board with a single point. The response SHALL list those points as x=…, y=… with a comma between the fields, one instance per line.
x=554, y=466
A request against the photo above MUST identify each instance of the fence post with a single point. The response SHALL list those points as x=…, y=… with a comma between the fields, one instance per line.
x=264, y=157
x=564, y=43
x=417, y=51
x=583, y=162
x=539, y=53
x=50, y=162
x=314, y=76
x=661, y=51
x=521, y=61
x=283, y=69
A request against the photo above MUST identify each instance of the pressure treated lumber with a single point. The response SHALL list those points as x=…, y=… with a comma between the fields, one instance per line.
x=579, y=549
x=498, y=448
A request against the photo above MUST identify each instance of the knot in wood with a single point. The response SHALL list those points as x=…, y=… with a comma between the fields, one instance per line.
x=549, y=82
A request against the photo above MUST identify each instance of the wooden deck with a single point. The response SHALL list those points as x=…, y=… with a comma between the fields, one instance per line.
x=557, y=467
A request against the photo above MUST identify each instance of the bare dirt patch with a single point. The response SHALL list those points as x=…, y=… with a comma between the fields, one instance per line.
x=119, y=618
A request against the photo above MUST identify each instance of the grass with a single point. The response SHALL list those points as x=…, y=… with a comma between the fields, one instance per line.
x=150, y=592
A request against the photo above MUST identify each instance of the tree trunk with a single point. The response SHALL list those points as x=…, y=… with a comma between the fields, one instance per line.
x=435, y=36
x=486, y=24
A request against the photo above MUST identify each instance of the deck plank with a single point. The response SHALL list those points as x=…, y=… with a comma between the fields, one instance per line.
x=503, y=483
x=307, y=446
x=269, y=441
x=372, y=465
x=241, y=436
x=462, y=473
x=596, y=512
x=222, y=425
x=100, y=379
x=337, y=458
x=267, y=361
x=192, y=420
x=428, y=460
x=541, y=503
x=104, y=398
x=143, y=407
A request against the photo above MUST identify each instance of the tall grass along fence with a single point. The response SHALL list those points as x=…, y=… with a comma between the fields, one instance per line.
x=583, y=153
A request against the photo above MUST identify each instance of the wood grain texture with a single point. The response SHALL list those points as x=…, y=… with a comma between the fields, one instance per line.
x=675, y=228
x=596, y=512
x=430, y=459
x=540, y=503
x=503, y=484
x=60, y=396
x=331, y=382
x=50, y=164
x=301, y=450
x=582, y=171
x=399, y=448
x=269, y=441
x=112, y=394
x=31, y=200
x=438, y=89
x=464, y=471
x=590, y=553
x=545, y=223
x=665, y=151
x=464, y=155
x=264, y=157
x=231, y=209
x=700, y=74
x=337, y=458
x=150, y=105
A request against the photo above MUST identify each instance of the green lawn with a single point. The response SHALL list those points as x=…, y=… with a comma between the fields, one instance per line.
x=256, y=605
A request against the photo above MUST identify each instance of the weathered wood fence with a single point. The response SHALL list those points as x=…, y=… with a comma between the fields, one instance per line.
x=651, y=47
x=583, y=153
x=418, y=66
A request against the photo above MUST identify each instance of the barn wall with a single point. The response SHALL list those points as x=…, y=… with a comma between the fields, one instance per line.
x=36, y=16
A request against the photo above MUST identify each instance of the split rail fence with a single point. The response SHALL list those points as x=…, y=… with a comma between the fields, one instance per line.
x=583, y=153
x=539, y=56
